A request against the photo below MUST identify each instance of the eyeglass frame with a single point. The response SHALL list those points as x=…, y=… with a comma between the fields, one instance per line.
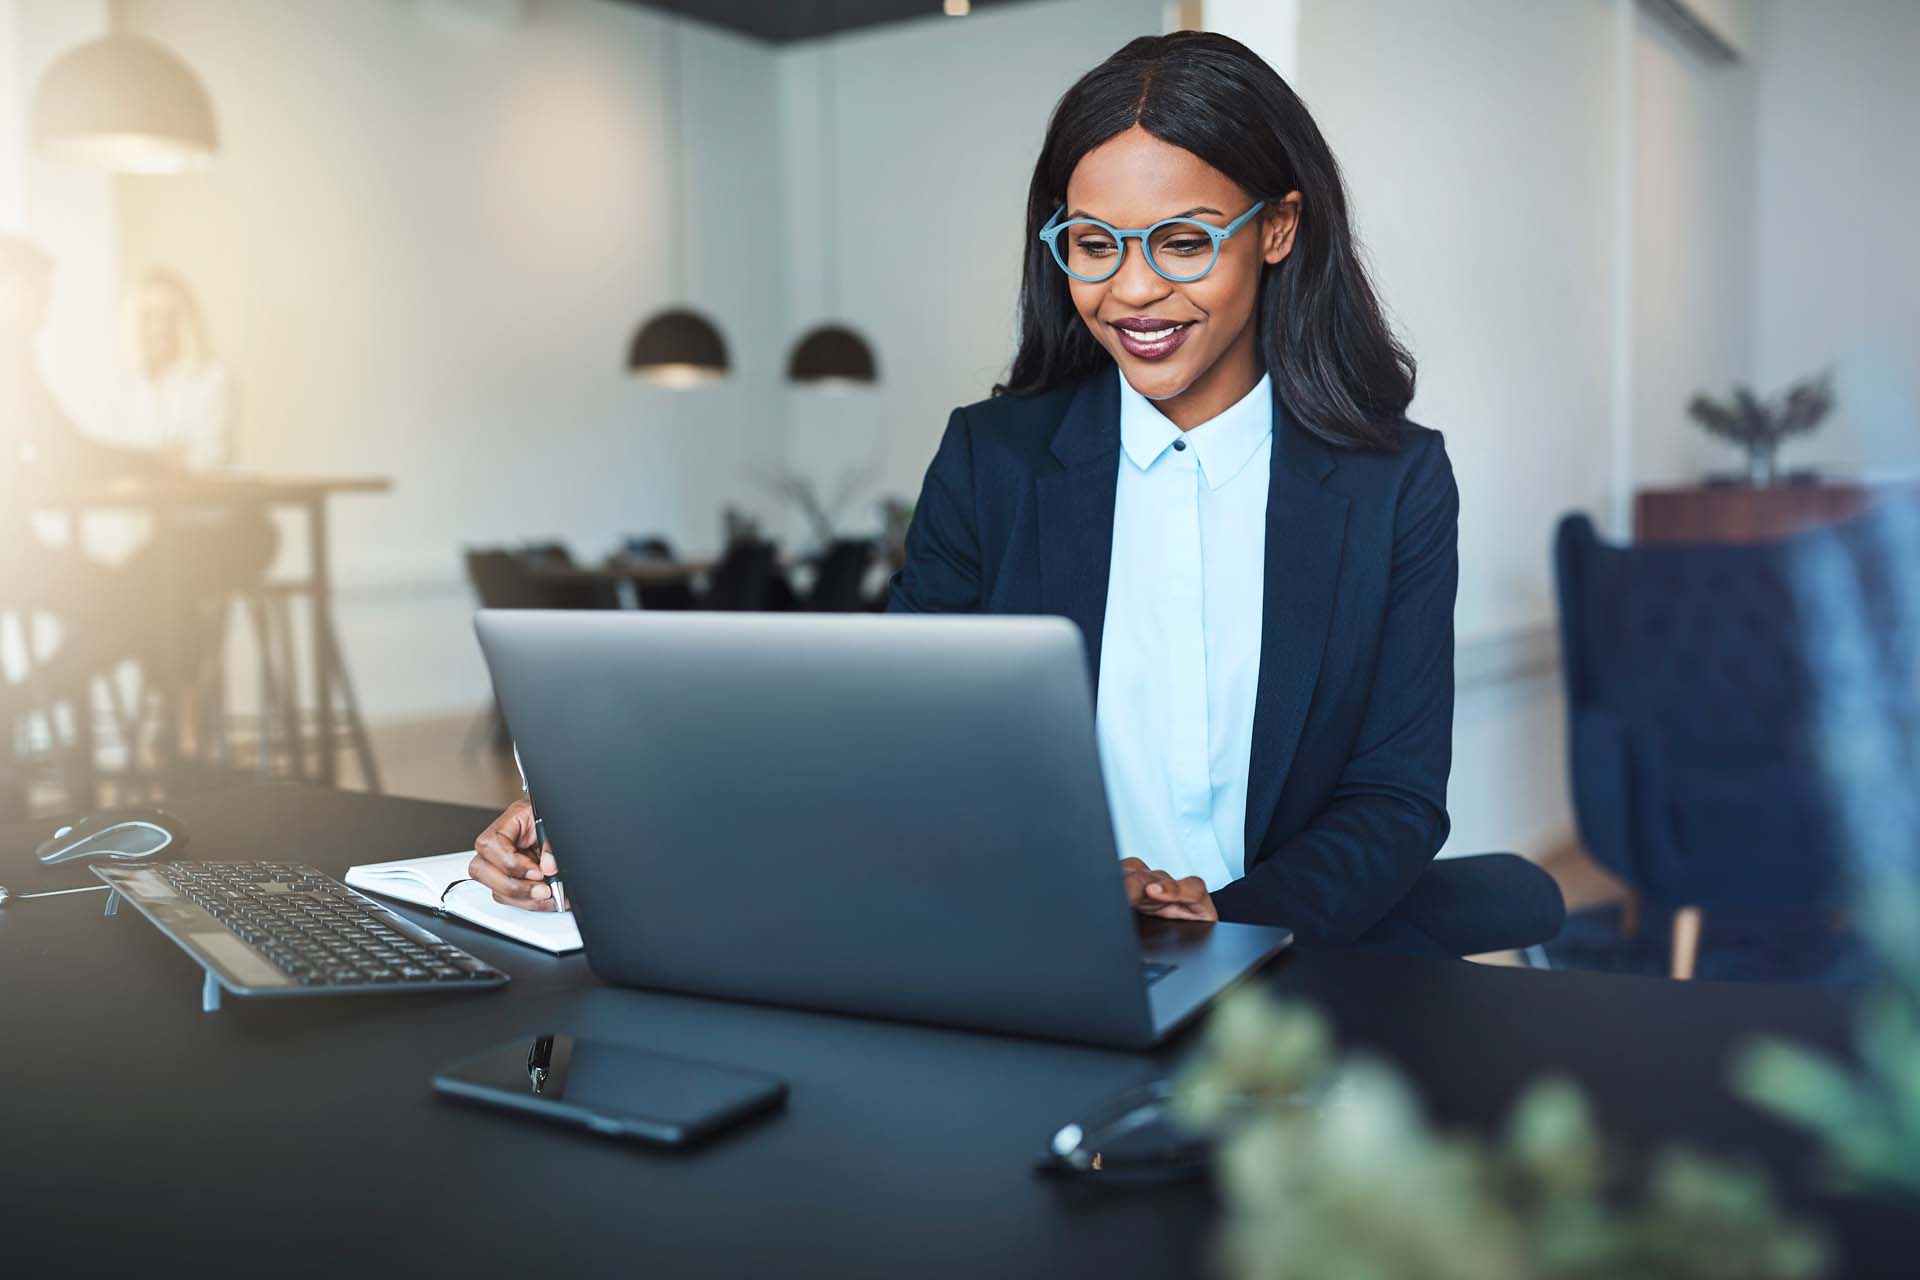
x=1219, y=235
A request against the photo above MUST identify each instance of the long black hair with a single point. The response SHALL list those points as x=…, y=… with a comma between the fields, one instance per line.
x=1322, y=335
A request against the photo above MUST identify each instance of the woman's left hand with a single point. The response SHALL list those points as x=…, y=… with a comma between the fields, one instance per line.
x=1155, y=893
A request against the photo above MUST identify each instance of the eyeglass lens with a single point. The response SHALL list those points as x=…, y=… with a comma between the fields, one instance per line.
x=1182, y=250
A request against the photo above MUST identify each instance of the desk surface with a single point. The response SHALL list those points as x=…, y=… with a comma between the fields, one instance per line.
x=203, y=486
x=301, y=1137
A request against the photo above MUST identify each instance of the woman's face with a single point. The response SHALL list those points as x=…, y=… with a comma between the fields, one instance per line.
x=157, y=329
x=1134, y=180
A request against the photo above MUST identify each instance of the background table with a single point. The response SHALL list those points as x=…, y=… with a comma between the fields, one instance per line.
x=166, y=493
x=300, y=1137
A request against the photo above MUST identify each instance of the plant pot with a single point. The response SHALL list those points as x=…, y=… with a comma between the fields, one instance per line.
x=1763, y=465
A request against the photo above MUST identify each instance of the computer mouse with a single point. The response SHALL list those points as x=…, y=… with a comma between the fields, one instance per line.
x=125, y=835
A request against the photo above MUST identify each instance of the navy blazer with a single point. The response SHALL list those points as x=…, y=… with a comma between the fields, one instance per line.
x=1353, y=718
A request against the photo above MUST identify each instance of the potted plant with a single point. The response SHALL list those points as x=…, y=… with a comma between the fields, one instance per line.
x=1759, y=427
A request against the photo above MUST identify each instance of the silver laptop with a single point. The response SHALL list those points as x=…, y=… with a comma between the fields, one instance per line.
x=894, y=816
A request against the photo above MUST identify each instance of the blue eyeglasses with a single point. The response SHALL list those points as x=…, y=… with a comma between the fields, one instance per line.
x=1179, y=249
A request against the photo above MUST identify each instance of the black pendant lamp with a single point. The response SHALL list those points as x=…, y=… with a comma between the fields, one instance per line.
x=830, y=356
x=677, y=347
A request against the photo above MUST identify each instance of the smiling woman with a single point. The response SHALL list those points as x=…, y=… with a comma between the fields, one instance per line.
x=1201, y=456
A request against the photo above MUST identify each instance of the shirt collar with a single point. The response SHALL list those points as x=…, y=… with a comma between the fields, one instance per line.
x=1222, y=445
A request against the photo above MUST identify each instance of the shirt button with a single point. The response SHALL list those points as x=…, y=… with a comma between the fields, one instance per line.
x=1181, y=445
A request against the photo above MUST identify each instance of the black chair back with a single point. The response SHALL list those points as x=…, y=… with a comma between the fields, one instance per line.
x=746, y=579
x=647, y=546
x=652, y=548
x=502, y=580
x=512, y=580
x=842, y=572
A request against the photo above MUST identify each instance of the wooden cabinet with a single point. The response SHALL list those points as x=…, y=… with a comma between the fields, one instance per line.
x=1736, y=513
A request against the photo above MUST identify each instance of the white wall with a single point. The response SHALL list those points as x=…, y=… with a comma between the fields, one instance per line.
x=426, y=242
x=1490, y=150
x=1835, y=259
x=69, y=213
x=939, y=123
x=1477, y=144
x=1692, y=265
x=423, y=249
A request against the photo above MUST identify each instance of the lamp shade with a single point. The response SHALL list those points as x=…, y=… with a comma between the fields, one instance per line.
x=832, y=355
x=678, y=348
x=124, y=103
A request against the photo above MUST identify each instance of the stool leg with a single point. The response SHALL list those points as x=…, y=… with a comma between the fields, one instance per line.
x=263, y=657
x=281, y=615
x=350, y=707
x=1687, y=923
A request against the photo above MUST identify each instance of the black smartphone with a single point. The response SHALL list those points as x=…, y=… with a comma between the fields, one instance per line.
x=612, y=1088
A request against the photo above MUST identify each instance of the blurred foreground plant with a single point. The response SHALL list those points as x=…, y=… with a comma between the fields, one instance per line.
x=1864, y=636
x=1867, y=1116
x=1329, y=1169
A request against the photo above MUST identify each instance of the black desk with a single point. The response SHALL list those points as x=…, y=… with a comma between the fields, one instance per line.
x=301, y=1137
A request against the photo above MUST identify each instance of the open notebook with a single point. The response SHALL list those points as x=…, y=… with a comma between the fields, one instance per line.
x=421, y=881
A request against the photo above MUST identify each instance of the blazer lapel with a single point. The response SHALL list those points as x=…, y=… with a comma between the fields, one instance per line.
x=1306, y=527
x=1076, y=511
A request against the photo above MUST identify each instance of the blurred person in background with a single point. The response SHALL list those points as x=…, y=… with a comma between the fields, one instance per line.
x=177, y=397
x=177, y=400
x=147, y=607
x=95, y=605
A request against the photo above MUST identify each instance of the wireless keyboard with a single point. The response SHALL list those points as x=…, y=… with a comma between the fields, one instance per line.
x=281, y=929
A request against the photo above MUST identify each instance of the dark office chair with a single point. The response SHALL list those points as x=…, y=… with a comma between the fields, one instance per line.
x=504, y=579
x=603, y=593
x=646, y=546
x=652, y=548
x=842, y=572
x=748, y=578
x=1691, y=720
x=500, y=580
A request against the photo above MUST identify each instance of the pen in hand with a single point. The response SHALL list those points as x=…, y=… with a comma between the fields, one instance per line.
x=539, y=830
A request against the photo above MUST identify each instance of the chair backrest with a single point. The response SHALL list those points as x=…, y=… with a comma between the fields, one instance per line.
x=744, y=579
x=842, y=572
x=1703, y=641
x=512, y=580
x=1693, y=710
x=647, y=546
x=502, y=580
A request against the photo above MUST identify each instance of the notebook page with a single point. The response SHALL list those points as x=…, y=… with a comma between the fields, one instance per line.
x=552, y=931
x=423, y=881
x=419, y=881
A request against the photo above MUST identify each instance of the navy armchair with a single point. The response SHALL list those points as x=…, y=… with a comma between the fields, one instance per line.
x=1692, y=699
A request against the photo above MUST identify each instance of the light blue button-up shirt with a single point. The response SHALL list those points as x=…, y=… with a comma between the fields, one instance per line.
x=1180, y=648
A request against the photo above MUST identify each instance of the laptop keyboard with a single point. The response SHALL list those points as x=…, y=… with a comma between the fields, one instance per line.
x=1153, y=970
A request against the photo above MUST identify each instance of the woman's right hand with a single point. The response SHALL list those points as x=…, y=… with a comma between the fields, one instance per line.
x=506, y=860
